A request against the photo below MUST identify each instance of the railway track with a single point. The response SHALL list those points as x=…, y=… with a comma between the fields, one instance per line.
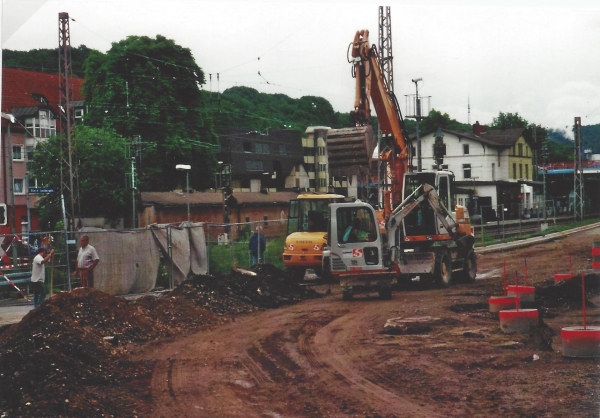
x=508, y=230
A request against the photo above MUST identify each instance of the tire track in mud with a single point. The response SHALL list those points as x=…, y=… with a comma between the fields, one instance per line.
x=163, y=392
x=333, y=346
x=255, y=371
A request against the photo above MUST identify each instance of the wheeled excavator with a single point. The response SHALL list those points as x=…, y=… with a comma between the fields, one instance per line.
x=426, y=241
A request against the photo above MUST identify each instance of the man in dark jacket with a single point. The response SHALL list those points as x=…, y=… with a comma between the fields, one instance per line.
x=257, y=246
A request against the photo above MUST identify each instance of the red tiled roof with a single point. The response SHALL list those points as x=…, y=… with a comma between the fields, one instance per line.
x=18, y=86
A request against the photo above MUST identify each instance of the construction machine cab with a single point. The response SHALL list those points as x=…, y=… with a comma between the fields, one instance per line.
x=422, y=222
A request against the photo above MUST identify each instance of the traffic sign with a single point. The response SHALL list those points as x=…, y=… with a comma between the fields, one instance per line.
x=41, y=190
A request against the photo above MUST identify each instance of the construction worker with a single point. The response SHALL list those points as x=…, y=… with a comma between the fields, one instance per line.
x=38, y=275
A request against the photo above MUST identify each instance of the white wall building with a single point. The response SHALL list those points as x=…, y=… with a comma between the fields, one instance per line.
x=491, y=168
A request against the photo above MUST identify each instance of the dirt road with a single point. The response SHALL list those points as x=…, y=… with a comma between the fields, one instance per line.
x=329, y=358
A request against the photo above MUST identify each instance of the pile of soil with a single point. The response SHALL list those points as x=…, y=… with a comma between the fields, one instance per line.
x=567, y=294
x=57, y=360
x=49, y=364
x=239, y=293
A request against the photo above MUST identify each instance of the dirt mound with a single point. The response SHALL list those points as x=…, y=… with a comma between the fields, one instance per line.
x=59, y=349
x=539, y=338
x=171, y=314
x=48, y=352
x=238, y=293
x=53, y=362
x=567, y=294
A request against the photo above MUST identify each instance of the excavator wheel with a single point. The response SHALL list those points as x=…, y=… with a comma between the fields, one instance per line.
x=347, y=294
x=469, y=271
x=385, y=293
x=443, y=269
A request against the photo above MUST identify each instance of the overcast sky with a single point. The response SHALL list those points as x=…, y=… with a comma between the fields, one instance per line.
x=538, y=58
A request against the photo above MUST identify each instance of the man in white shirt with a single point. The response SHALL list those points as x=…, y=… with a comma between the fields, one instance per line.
x=87, y=259
x=38, y=276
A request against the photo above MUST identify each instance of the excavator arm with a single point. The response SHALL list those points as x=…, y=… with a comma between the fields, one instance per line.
x=371, y=87
x=427, y=192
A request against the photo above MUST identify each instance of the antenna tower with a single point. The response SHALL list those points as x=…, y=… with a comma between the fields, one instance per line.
x=66, y=117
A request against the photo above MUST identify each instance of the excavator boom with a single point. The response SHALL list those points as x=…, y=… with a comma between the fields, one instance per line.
x=349, y=147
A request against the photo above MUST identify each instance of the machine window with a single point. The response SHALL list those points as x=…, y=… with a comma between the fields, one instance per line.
x=356, y=225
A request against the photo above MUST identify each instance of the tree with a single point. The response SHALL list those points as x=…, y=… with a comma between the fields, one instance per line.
x=509, y=121
x=437, y=119
x=45, y=60
x=151, y=87
x=101, y=169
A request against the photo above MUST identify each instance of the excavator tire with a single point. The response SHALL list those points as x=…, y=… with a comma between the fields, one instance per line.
x=385, y=293
x=469, y=271
x=443, y=269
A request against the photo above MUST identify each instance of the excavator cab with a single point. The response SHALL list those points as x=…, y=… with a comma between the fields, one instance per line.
x=354, y=255
x=422, y=224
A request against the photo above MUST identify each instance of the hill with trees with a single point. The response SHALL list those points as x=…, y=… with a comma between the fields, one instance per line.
x=45, y=60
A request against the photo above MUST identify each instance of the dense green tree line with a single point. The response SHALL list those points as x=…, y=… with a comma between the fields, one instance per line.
x=45, y=60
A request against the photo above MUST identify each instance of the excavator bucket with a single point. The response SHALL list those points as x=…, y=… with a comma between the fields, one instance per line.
x=349, y=150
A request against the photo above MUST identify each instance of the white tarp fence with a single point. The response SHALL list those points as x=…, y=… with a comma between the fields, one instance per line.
x=129, y=260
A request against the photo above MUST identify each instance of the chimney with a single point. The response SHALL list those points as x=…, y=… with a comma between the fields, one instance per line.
x=479, y=129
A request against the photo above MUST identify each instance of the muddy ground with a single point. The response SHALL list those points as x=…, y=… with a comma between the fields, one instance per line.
x=256, y=346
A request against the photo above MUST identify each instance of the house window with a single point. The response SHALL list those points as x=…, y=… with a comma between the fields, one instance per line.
x=520, y=171
x=261, y=148
x=467, y=171
x=520, y=150
x=17, y=151
x=514, y=170
x=282, y=149
x=465, y=149
x=18, y=186
x=321, y=150
x=254, y=165
x=322, y=182
x=527, y=171
x=247, y=219
x=247, y=146
x=29, y=150
x=322, y=167
x=266, y=221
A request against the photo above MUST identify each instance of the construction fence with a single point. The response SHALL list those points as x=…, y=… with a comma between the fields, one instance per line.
x=139, y=260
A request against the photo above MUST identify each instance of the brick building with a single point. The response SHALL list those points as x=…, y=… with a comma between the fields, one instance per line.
x=33, y=99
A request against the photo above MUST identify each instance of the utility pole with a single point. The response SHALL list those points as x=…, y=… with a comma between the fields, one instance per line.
x=66, y=105
x=418, y=118
x=386, y=60
x=577, y=173
x=415, y=111
x=134, y=153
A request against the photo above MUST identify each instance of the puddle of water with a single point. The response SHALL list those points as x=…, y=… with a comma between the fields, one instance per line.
x=489, y=274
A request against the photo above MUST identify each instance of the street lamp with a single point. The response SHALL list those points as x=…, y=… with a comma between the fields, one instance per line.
x=186, y=168
x=418, y=117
